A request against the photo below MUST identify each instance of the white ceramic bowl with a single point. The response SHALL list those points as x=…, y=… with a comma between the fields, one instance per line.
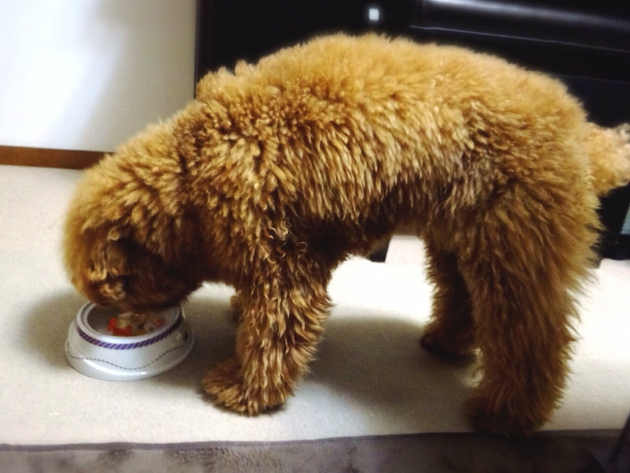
x=94, y=352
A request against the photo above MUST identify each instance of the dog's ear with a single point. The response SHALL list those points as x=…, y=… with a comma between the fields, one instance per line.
x=108, y=267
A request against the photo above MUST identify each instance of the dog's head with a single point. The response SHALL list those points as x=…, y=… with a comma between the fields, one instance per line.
x=121, y=248
x=113, y=269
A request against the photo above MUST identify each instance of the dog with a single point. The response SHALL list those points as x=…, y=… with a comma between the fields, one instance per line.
x=278, y=171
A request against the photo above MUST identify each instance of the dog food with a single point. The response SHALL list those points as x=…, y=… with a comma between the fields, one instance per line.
x=130, y=324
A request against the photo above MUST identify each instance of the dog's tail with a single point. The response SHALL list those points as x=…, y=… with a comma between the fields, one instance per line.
x=609, y=150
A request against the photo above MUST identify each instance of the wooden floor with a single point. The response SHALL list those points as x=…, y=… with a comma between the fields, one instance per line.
x=45, y=157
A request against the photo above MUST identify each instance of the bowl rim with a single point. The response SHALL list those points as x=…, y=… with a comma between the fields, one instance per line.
x=87, y=333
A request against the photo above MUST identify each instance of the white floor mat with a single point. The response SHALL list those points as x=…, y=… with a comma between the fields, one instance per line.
x=370, y=376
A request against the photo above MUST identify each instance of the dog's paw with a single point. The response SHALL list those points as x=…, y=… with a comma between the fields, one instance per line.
x=492, y=417
x=224, y=385
x=433, y=346
x=447, y=349
x=237, y=303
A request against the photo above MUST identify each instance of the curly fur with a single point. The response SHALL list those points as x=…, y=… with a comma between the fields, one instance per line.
x=278, y=171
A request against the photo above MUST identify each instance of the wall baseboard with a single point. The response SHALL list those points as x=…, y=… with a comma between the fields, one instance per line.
x=44, y=157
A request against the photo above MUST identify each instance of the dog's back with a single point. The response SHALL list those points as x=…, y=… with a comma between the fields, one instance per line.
x=344, y=125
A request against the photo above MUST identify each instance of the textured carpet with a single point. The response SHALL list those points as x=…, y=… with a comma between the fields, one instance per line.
x=567, y=452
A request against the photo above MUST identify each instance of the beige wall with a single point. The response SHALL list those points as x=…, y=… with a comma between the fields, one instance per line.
x=88, y=74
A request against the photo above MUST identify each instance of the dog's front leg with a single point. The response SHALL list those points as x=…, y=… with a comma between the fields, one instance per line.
x=279, y=328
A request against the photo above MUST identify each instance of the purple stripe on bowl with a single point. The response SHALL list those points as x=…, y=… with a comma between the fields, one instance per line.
x=129, y=346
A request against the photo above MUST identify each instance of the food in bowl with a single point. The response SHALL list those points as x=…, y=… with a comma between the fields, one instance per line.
x=131, y=324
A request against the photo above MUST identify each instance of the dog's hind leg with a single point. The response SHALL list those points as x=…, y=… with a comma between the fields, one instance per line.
x=524, y=354
x=450, y=332
x=521, y=268
x=281, y=322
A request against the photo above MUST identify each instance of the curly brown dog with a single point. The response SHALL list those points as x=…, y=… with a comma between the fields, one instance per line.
x=280, y=170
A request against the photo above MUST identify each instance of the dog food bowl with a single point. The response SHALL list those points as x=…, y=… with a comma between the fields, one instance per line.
x=94, y=351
